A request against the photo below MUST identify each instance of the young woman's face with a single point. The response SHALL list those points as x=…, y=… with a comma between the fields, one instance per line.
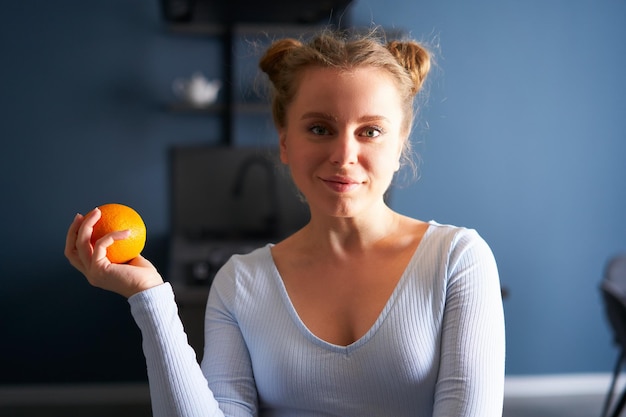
x=343, y=138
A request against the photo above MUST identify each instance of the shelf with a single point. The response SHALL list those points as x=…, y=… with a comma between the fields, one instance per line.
x=197, y=29
x=216, y=29
x=252, y=108
x=246, y=108
x=180, y=107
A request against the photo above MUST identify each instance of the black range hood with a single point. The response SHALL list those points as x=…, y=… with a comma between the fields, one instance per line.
x=251, y=11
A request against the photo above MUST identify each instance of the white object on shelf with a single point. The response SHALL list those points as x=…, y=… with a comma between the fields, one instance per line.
x=197, y=90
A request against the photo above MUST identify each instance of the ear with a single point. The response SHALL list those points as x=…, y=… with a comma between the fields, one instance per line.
x=282, y=141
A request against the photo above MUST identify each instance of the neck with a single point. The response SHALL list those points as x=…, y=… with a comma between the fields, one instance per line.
x=348, y=236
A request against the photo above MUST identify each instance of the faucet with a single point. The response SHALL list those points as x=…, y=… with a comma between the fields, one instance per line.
x=271, y=221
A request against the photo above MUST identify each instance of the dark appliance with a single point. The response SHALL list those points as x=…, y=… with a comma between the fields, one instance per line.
x=227, y=200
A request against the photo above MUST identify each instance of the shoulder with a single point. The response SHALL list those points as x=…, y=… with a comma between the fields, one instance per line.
x=456, y=246
x=245, y=273
x=453, y=237
x=247, y=290
x=470, y=266
x=255, y=258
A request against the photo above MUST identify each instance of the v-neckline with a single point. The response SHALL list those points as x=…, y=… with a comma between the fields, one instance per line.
x=304, y=329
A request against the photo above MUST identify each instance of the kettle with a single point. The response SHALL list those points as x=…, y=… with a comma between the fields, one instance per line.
x=197, y=90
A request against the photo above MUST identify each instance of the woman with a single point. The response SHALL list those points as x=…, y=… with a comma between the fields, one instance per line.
x=364, y=311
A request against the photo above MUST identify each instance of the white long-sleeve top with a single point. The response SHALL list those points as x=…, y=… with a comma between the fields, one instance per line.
x=436, y=350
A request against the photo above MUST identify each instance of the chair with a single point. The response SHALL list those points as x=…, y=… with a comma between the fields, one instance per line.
x=613, y=289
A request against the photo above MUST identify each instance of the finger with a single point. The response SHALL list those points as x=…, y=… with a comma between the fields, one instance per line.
x=141, y=262
x=71, y=252
x=99, y=255
x=70, y=239
x=83, y=237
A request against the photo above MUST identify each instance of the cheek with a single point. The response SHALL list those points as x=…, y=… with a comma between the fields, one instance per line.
x=384, y=166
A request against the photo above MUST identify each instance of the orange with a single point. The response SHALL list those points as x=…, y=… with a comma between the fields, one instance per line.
x=120, y=217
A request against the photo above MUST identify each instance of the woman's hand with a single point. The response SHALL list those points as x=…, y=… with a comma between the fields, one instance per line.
x=91, y=260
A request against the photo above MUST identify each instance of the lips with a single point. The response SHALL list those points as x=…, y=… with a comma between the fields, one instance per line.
x=340, y=184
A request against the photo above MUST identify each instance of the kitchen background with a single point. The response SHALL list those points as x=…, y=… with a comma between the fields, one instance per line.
x=523, y=137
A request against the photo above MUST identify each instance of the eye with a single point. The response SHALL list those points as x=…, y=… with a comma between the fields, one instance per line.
x=319, y=130
x=372, y=132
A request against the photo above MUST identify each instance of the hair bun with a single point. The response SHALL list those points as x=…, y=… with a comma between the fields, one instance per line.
x=271, y=62
x=414, y=58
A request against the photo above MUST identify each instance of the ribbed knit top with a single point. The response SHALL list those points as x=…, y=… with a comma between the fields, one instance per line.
x=436, y=349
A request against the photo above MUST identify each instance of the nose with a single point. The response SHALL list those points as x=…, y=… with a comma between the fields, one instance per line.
x=344, y=150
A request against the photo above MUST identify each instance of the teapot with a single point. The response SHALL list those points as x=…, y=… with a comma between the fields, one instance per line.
x=197, y=90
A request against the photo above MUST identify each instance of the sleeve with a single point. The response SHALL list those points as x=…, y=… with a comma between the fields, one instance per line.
x=177, y=385
x=471, y=372
x=226, y=359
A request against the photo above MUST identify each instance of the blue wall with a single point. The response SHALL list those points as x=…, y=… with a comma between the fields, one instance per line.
x=522, y=137
x=526, y=140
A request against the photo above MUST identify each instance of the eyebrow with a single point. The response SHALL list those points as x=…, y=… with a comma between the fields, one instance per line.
x=318, y=115
x=328, y=116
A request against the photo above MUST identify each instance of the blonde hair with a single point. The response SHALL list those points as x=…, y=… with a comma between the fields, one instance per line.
x=407, y=61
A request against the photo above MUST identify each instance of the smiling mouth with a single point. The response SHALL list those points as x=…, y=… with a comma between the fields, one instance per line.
x=340, y=184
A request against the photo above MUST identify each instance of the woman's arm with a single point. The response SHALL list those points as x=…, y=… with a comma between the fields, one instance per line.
x=226, y=361
x=177, y=385
x=471, y=373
